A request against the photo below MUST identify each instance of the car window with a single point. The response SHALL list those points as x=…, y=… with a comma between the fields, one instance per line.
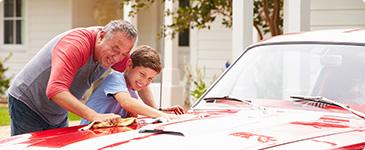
x=279, y=71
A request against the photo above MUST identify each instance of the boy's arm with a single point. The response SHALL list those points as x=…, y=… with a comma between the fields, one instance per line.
x=147, y=97
x=132, y=105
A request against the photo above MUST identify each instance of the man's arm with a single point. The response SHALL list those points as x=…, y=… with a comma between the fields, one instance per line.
x=69, y=102
x=147, y=97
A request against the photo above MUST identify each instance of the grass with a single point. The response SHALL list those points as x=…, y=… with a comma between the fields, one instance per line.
x=5, y=118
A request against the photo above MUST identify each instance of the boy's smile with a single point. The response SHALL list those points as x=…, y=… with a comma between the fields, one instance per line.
x=139, y=77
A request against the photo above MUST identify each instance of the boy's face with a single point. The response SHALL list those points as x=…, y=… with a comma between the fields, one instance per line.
x=139, y=77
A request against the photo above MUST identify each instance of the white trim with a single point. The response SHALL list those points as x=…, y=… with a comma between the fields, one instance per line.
x=127, y=7
x=14, y=47
x=242, y=26
x=172, y=89
x=194, y=48
x=296, y=15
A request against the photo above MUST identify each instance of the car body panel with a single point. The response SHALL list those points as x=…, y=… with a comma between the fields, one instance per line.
x=243, y=128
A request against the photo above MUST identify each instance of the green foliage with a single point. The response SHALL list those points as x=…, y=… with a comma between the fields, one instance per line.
x=201, y=13
x=4, y=81
x=199, y=86
x=73, y=117
x=4, y=116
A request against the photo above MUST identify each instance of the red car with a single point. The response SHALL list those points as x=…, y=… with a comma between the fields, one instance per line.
x=297, y=91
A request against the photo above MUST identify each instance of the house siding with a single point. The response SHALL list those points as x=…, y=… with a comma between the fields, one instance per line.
x=45, y=19
x=335, y=14
x=211, y=49
x=40, y=25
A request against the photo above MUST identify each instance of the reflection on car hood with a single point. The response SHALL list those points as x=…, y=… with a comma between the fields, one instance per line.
x=213, y=129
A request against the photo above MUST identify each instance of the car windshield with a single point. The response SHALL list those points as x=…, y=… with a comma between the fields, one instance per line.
x=278, y=71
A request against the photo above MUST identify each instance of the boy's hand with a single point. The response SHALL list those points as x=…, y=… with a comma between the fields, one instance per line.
x=178, y=110
x=168, y=117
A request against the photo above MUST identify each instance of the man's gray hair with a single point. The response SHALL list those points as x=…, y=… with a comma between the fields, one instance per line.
x=121, y=26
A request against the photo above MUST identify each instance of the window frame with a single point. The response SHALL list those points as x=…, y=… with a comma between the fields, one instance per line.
x=13, y=47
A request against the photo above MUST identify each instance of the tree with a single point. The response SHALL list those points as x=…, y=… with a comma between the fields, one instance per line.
x=4, y=81
x=201, y=13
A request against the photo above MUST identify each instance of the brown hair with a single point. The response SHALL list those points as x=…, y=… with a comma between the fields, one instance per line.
x=146, y=56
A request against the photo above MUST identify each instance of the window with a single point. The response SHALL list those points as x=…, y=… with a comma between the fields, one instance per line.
x=184, y=38
x=13, y=22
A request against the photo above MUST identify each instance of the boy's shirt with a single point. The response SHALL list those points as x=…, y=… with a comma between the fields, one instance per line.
x=102, y=99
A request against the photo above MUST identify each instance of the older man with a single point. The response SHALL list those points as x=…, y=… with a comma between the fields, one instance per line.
x=55, y=79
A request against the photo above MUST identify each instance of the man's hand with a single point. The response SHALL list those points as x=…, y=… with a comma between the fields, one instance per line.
x=110, y=117
x=178, y=110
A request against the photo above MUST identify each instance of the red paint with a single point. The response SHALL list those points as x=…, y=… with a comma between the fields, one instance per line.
x=330, y=143
x=334, y=120
x=358, y=146
x=352, y=30
x=9, y=139
x=57, y=138
x=260, y=138
x=126, y=141
x=320, y=124
x=326, y=122
x=211, y=114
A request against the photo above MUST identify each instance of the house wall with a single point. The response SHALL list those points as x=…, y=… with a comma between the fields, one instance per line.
x=43, y=19
x=210, y=50
x=149, y=22
x=334, y=14
x=83, y=13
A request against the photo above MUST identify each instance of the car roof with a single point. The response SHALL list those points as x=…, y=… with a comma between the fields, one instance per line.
x=334, y=35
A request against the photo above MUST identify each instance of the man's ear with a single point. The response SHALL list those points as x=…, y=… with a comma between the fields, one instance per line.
x=129, y=63
x=101, y=35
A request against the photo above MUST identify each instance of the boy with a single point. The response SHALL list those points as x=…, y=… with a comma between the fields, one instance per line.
x=117, y=93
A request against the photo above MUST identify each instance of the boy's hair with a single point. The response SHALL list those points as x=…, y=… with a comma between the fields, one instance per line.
x=146, y=56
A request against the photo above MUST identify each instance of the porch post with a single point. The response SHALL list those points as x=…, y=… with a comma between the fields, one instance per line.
x=127, y=7
x=242, y=26
x=296, y=15
x=172, y=90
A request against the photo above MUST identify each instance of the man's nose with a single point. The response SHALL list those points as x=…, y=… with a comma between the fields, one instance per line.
x=118, y=58
x=115, y=59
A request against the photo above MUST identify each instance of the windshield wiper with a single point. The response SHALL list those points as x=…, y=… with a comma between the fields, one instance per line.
x=325, y=101
x=158, y=131
x=212, y=99
x=249, y=102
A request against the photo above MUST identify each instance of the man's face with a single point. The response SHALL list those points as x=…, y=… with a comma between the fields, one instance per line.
x=110, y=49
x=139, y=77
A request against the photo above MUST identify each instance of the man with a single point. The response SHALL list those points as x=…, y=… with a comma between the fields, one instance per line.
x=55, y=79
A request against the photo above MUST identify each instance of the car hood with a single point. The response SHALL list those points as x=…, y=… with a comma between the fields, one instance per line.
x=212, y=129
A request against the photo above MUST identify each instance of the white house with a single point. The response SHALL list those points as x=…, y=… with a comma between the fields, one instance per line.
x=28, y=24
